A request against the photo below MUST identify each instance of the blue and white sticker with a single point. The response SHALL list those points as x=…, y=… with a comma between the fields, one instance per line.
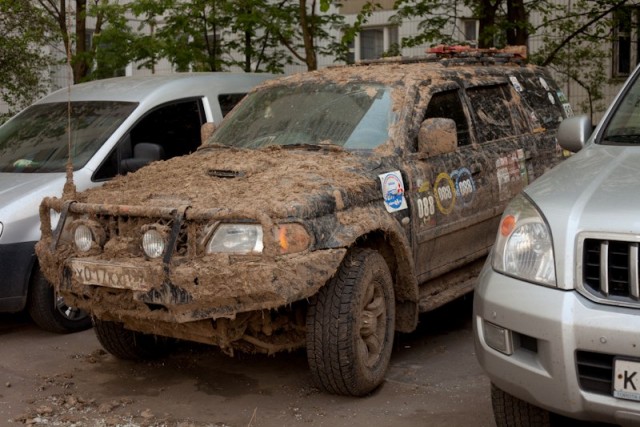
x=393, y=191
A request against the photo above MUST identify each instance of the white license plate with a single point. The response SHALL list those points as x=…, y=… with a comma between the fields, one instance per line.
x=111, y=275
x=626, y=379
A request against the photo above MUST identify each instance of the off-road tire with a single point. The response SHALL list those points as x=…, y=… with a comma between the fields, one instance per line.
x=50, y=312
x=346, y=356
x=130, y=345
x=510, y=411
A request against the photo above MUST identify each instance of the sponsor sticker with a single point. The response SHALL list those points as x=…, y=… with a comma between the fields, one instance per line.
x=393, y=191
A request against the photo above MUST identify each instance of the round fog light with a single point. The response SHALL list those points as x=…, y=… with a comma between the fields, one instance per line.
x=153, y=243
x=83, y=238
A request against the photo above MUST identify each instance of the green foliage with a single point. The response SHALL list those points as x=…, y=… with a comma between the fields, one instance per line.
x=22, y=61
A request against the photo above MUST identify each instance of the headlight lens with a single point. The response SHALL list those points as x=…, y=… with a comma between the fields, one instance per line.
x=523, y=246
x=83, y=238
x=236, y=238
x=153, y=243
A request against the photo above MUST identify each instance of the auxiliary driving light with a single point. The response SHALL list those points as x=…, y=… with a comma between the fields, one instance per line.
x=153, y=243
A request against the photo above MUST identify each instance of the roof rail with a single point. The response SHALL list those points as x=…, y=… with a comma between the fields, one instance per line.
x=460, y=55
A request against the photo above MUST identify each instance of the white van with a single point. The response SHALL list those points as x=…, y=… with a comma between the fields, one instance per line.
x=117, y=126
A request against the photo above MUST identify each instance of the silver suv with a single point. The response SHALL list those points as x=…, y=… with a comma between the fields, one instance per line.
x=557, y=307
x=118, y=125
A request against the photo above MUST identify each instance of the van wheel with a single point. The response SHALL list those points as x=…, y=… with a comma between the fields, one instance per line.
x=49, y=311
x=350, y=326
x=511, y=411
x=130, y=345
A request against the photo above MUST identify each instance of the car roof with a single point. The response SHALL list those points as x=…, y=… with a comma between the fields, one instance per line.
x=169, y=87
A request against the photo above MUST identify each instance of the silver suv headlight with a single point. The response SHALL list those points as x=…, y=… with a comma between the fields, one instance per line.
x=236, y=238
x=523, y=247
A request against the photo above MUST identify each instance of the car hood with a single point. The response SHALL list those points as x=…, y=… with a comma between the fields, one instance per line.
x=279, y=182
x=593, y=191
x=14, y=186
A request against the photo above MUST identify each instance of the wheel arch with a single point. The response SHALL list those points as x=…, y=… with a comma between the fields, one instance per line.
x=399, y=260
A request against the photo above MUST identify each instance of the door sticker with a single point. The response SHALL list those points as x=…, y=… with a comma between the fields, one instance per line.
x=393, y=191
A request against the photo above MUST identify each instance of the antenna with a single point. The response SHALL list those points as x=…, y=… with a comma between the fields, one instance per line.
x=69, y=189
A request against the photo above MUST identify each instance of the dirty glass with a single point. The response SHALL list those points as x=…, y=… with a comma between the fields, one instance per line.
x=448, y=105
x=37, y=139
x=490, y=105
x=624, y=126
x=354, y=116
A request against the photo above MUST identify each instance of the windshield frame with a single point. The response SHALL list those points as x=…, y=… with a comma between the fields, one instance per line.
x=630, y=88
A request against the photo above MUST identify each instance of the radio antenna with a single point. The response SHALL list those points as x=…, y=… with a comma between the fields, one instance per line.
x=69, y=189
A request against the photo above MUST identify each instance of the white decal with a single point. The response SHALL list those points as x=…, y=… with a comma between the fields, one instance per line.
x=393, y=191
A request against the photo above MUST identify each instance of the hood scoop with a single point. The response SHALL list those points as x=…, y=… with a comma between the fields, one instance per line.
x=225, y=173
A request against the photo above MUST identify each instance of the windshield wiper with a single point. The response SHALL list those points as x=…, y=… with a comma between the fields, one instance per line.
x=315, y=147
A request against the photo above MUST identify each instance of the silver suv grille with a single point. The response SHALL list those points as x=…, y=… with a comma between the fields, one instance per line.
x=610, y=271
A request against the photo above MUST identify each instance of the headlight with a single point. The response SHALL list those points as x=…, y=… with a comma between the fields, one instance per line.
x=83, y=238
x=236, y=238
x=523, y=247
x=154, y=243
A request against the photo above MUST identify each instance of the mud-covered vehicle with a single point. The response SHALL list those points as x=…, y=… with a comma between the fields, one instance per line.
x=327, y=210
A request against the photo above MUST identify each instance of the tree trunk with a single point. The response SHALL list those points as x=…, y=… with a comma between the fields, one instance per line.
x=517, y=33
x=487, y=13
x=307, y=37
x=79, y=65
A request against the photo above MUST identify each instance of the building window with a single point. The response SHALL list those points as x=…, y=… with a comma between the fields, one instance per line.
x=375, y=43
x=624, y=58
x=469, y=29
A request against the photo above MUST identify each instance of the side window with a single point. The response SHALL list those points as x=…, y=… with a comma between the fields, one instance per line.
x=228, y=101
x=167, y=131
x=492, y=107
x=448, y=105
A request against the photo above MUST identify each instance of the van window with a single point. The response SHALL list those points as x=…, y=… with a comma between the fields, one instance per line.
x=448, y=105
x=174, y=127
x=492, y=108
x=228, y=101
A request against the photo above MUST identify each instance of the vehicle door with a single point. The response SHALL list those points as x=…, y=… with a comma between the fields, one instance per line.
x=449, y=203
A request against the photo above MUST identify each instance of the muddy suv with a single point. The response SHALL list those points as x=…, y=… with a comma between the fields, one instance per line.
x=327, y=211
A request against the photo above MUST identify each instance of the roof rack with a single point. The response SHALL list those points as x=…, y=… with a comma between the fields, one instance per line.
x=460, y=55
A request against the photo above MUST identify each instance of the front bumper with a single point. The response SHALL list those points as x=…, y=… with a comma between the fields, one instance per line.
x=555, y=333
x=213, y=287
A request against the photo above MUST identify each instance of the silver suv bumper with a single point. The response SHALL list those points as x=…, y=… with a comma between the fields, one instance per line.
x=555, y=335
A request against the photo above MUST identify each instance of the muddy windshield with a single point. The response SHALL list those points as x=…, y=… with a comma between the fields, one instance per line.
x=624, y=126
x=37, y=140
x=355, y=116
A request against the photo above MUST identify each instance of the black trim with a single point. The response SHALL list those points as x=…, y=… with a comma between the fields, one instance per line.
x=16, y=263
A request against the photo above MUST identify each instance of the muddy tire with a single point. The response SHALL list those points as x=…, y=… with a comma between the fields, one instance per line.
x=350, y=326
x=511, y=411
x=130, y=345
x=50, y=312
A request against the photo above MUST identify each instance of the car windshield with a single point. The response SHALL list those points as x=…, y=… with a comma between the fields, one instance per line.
x=352, y=116
x=624, y=126
x=36, y=140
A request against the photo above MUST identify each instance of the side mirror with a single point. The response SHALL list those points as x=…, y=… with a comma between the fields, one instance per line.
x=206, y=130
x=574, y=132
x=437, y=136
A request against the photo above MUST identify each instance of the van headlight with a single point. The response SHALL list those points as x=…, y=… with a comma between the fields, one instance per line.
x=236, y=238
x=524, y=247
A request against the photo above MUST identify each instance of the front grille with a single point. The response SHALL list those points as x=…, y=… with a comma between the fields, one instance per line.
x=610, y=271
x=595, y=371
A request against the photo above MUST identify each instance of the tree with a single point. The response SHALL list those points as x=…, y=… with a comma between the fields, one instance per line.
x=573, y=38
x=22, y=61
